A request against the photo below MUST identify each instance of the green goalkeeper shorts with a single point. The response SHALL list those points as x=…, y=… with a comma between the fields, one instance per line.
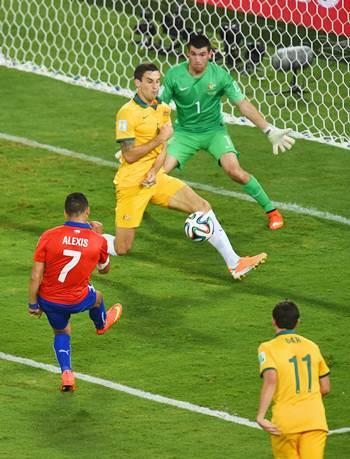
x=183, y=145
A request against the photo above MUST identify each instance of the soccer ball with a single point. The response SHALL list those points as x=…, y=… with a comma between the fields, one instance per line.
x=198, y=228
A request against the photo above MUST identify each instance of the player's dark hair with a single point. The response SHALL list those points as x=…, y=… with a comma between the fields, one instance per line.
x=286, y=314
x=143, y=68
x=199, y=41
x=76, y=204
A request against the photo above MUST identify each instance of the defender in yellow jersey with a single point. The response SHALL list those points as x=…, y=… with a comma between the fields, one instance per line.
x=295, y=377
x=138, y=123
x=143, y=127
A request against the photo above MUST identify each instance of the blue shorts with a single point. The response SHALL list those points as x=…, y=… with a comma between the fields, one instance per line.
x=59, y=314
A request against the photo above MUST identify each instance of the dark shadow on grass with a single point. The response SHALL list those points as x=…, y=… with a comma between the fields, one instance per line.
x=161, y=316
x=14, y=225
x=300, y=298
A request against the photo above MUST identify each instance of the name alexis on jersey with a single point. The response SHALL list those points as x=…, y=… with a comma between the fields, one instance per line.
x=79, y=241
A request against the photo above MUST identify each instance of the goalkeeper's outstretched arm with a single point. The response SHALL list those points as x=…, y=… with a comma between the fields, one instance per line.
x=248, y=110
x=279, y=138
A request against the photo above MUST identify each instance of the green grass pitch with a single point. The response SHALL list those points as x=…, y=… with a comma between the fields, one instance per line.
x=188, y=331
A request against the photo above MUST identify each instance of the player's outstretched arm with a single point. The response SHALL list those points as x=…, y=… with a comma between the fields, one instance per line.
x=279, y=138
x=248, y=110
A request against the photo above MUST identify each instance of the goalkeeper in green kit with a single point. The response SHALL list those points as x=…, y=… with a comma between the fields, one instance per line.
x=197, y=87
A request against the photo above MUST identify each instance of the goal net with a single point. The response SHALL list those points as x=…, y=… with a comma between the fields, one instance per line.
x=291, y=57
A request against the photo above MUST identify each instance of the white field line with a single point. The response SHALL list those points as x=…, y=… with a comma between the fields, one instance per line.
x=30, y=67
x=147, y=395
x=136, y=392
x=200, y=186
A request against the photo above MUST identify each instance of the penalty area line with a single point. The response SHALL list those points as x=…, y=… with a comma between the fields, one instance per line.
x=199, y=186
x=147, y=395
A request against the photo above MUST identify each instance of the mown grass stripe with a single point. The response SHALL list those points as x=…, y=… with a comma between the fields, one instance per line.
x=199, y=186
x=135, y=392
x=147, y=395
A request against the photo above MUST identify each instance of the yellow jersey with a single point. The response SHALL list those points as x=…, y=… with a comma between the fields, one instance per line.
x=297, y=402
x=141, y=122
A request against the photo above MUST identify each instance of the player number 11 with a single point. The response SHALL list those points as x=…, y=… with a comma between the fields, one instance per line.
x=307, y=360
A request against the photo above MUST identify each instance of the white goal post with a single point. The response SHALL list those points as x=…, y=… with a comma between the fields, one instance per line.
x=97, y=43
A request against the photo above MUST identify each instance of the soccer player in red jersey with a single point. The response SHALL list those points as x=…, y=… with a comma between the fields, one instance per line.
x=59, y=284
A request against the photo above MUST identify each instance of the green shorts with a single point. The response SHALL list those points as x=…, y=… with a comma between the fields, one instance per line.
x=183, y=145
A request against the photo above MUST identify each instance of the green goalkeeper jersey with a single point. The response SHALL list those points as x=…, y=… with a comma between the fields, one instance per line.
x=198, y=99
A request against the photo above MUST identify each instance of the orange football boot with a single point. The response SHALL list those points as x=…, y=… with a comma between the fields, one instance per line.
x=68, y=381
x=246, y=264
x=114, y=313
x=275, y=220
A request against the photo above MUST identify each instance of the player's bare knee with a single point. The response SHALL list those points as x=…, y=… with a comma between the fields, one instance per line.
x=237, y=174
x=202, y=205
x=234, y=171
x=64, y=331
x=123, y=249
x=124, y=240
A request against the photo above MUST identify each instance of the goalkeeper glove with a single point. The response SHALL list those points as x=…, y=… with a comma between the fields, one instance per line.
x=279, y=138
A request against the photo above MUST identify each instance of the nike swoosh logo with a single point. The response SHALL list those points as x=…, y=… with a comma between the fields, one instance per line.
x=183, y=89
x=144, y=117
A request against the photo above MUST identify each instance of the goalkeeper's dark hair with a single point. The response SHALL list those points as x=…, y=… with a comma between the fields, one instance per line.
x=199, y=41
x=75, y=204
x=286, y=314
x=143, y=68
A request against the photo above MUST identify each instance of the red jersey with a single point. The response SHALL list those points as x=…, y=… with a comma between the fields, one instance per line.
x=70, y=253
